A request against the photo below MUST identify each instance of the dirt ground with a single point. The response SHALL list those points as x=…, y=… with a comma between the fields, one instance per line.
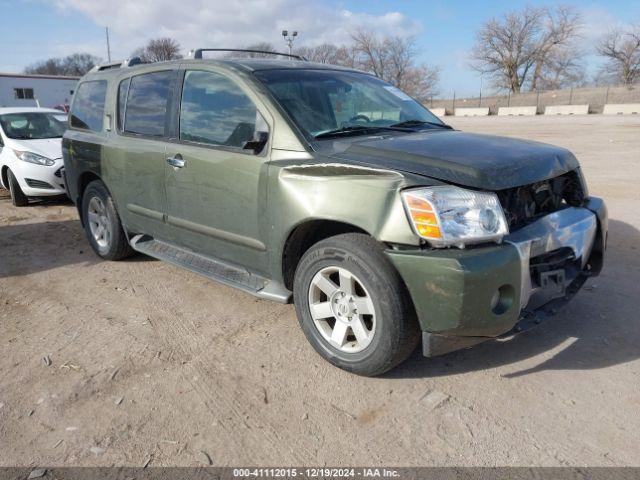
x=151, y=363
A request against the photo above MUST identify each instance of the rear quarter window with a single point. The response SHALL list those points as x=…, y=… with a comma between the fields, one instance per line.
x=87, y=112
x=146, y=106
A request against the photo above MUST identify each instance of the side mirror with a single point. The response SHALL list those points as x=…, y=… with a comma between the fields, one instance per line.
x=258, y=142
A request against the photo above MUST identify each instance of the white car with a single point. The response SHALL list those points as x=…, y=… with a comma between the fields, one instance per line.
x=31, y=152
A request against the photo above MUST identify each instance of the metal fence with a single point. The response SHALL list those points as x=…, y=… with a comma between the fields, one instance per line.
x=595, y=97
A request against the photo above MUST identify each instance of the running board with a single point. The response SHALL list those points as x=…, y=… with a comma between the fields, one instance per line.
x=213, y=269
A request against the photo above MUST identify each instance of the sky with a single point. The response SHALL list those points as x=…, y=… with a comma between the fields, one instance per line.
x=33, y=30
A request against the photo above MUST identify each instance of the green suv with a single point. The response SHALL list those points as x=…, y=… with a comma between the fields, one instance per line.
x=328, y=187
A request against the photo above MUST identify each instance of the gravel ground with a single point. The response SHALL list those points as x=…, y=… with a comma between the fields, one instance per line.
x=123, y=363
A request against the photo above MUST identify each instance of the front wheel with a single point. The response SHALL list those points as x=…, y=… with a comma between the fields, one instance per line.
x=18, y=198
x=353, y=306
x=102, y=223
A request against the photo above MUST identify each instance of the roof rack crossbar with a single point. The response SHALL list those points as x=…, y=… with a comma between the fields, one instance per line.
x=197, y=52
x=128, y=62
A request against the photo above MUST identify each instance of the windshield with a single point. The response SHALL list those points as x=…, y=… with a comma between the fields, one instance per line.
x=33, y=125
x=321, y=101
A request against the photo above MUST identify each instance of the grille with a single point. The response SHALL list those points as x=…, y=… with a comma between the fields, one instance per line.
x=523, y=205
x=38, y=184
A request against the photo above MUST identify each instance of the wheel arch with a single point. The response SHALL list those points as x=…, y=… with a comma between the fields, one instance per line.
x=306, y=234
x=4, y=176
x=84, y=180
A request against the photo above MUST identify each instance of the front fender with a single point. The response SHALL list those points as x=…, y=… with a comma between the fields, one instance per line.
x=367, y=198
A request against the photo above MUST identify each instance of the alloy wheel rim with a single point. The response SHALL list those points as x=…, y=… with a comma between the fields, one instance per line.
x=342, y=309
x=99, y=223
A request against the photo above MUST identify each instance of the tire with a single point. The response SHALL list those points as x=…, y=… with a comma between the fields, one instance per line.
x=392, y=331
x=102, y=223
x=18, y=198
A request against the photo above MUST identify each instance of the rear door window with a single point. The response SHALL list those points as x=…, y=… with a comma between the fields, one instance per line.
x=146, y=108
x=87, y=112
x=214, y=110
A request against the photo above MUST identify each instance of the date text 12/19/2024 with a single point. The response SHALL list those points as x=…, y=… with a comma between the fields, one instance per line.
x=320, y=472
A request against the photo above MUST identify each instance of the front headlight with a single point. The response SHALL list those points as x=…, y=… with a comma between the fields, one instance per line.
x=34, y=158
x=449, y=215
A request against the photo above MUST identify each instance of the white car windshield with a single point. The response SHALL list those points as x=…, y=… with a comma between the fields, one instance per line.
x=32, y=125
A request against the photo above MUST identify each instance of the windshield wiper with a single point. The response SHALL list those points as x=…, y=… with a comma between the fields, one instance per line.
x=415, y=123
x=358, y=128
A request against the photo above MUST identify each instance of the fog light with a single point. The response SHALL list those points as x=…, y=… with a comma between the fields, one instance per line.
x=502, y=299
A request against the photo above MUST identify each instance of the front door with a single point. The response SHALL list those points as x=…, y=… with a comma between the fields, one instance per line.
x=216, y=188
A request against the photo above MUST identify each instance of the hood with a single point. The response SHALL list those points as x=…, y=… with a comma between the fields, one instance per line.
x=47, y=147
x=480, y=161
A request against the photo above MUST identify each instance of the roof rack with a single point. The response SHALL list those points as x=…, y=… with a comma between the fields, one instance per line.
x=128, y=62
x=197, y=52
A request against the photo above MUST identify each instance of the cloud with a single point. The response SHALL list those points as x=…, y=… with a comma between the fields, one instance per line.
x=596, y=22
x=216, y=23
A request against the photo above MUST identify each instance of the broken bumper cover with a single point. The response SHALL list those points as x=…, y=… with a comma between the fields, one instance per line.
x=464, y=297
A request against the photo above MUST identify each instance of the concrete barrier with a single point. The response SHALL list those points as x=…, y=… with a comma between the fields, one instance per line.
x=566, y=110
x=471, y=112
x=438, y=112
x=621, y=109
x=518, y=110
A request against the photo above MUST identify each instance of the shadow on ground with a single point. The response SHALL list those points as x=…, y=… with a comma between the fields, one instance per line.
x=27, y=248
x=599, y=328
x=49, y=201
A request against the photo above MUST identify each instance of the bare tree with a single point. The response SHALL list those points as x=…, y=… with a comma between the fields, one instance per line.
x=76, y=64
x=347, y=56
x=518, y=48
x=158, y=50
x=562, y=68
x=393, y=60
x=421, y=82
x=622, y=49
x=324, y=53
x=555, y=49
x=506, y=49
x=373, y=55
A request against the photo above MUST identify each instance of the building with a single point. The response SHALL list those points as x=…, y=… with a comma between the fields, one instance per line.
x=24, y=90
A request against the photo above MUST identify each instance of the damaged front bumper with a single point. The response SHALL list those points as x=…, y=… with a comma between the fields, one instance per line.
x=464, y=297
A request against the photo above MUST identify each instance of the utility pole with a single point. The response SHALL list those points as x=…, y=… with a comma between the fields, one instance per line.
x=106, y=30
x=289, y=38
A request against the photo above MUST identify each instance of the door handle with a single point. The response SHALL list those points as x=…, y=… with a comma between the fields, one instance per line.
x=176, y=161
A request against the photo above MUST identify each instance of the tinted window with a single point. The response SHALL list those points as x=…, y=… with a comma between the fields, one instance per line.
x=88, y=106
x=215, y=111
x=323, y=100
x=147, y=103
x=123, y=88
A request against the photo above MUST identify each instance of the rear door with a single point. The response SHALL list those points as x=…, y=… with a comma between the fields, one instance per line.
x=216, y=189
x=139, y=150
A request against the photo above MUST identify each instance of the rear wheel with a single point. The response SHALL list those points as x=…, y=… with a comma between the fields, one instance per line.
x=102, y=223
x=353, y=306
x=18, y=198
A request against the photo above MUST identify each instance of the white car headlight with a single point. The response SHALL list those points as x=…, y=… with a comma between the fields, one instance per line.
x=448, y=215
x=34, y=158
